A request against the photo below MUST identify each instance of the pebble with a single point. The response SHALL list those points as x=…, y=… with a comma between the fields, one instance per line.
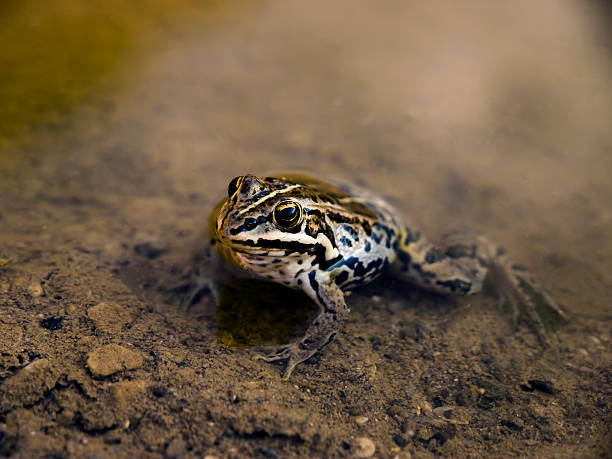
x=112, y=358
x=361, y=420
x=595, y=340
x=362, y=447
x=35, y=290
x=403, y=455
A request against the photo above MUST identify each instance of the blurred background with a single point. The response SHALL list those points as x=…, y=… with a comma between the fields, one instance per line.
x=455, y=113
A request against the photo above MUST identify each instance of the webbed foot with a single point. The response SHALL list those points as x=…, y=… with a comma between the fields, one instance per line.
x=194, y=288
x=320, y=333
x=526, y=299
x=296, y=353
x=290, y=353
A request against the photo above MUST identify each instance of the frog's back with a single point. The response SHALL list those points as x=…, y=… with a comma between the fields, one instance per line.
x=352, y=198
x=364, y=228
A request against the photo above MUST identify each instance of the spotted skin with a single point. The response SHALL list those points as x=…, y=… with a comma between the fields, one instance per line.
x=322, y=239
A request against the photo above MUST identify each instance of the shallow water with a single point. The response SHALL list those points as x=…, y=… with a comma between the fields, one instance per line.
x=492, y=117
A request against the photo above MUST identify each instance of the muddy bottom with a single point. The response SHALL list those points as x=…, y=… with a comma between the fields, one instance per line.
x=103, y=221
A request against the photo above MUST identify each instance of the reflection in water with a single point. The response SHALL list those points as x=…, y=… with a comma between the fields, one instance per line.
x=252, y=312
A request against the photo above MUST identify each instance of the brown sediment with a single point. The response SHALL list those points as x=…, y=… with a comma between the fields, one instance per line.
x=452, y=118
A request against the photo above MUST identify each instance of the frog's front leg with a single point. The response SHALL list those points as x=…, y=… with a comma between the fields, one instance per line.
x=461, y=263
x=332, y=309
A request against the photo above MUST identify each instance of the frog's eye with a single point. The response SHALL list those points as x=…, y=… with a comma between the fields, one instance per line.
x=287, y=214
x=234, y=186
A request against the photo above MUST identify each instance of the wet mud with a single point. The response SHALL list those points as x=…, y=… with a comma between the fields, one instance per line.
x=450, y=114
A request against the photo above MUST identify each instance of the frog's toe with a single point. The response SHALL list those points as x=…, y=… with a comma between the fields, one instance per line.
x=529, y=302
x=197, y=287
x=282, y=353
x=292, y=353
x=538, y=308
x=291, y=364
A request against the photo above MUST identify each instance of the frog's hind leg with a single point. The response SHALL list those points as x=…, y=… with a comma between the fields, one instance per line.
x=461, y=264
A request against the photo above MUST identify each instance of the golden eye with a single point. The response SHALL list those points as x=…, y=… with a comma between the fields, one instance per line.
x=234, y=186
x=287, y=214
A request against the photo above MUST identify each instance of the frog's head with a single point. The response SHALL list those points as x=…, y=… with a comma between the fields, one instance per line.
x=274, y=217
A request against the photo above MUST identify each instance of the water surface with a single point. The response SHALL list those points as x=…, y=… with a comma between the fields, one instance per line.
x=121, y=127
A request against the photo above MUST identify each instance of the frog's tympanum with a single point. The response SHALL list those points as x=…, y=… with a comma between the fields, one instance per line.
x=325, y=240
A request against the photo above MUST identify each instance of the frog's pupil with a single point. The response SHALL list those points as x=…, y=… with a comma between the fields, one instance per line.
x=287, y=214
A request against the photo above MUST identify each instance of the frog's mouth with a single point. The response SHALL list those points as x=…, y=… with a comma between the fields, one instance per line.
x=324, y=254
x=271, y=247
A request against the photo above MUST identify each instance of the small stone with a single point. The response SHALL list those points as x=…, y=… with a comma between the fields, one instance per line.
x=112, y=358
x=403, y=455
x=109, y=317
x=35, y=290
x=595, y=340
x=362, y=447
x=361, y=420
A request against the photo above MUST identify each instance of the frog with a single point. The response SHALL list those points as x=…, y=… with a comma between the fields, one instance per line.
x=326, y=239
